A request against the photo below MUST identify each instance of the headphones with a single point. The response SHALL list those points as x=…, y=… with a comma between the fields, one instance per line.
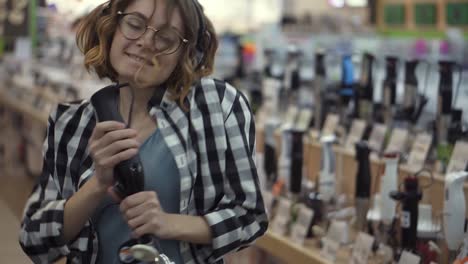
x=203, y=36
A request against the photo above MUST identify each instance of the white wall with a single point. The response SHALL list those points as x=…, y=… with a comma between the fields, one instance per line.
x=241, y=15
x=321, y=7
x=238, y=15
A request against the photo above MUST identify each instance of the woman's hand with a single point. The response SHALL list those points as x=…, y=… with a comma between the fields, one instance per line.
x=144, y=215
x=110, y=144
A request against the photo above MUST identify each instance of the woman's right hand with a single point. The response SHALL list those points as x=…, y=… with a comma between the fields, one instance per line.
x=110, y=144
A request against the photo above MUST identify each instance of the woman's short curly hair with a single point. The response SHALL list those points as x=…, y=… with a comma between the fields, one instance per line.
x=96, y=31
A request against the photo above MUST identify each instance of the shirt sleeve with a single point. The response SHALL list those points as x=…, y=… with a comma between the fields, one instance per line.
x=240, y=217
x=41, y=232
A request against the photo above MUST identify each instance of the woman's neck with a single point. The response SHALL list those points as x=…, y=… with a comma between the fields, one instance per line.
x=140, y=96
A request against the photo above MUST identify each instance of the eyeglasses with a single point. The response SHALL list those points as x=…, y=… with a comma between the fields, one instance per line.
x=166, y=40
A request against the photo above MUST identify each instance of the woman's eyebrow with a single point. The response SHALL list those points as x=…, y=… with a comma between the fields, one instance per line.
x=141, y=15
x=147, y=19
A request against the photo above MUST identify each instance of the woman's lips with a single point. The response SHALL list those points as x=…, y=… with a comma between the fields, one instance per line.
x=139, y=59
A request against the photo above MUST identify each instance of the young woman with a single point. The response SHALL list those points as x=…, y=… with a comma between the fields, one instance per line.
x=195, y=137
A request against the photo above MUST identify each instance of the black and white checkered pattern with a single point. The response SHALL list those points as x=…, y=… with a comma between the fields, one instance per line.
x=213, y=145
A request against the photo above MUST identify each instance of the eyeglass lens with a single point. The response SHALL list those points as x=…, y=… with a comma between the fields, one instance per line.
x=166, y=40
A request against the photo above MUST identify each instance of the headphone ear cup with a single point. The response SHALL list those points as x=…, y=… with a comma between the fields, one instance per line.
x=199, y=58
x=201, y=49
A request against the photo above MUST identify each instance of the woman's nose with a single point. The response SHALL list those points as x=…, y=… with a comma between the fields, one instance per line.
x=147, y=39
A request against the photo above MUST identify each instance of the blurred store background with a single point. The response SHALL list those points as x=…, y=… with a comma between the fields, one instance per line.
x=314, y=66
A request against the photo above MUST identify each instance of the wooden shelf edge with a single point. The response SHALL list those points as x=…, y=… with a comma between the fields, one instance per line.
x=22, y=108
x=288, y=251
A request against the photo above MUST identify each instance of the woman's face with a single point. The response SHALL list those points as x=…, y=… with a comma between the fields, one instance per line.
x=128, y=56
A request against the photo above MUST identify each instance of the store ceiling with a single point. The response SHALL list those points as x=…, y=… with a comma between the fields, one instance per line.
x=248, y=14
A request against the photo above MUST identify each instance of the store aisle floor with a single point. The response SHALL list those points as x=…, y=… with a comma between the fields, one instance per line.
x=15, y=188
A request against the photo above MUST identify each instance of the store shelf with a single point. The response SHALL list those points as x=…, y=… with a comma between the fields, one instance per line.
x=284, y=249
x=21, y=107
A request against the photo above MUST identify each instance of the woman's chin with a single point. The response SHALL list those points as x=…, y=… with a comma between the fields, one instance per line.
x=141, y=78
x=143, y=83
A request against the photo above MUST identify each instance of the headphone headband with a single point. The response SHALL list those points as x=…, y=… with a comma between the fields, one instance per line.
x=200, y=45
x=201, y=23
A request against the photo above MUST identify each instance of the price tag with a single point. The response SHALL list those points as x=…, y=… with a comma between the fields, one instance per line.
x=355, y=134
x=270, y=128
x=339, y=232
x=301, y=228
x=298, y=234
x=282, y=217
x=268, y=201
x=331, y=124
x=409, y=258
x=305, y=117
x=290, y=118
x=459, y=157
x=386, y=253
x=362, y=249
x=23, y=49
x=398, y=140
x=271, y=89
x=330, y=249
x=419, y=151
x=377, y=137
x=284, y=160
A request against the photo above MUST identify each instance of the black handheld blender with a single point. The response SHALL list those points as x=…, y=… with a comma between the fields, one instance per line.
x=389, y=91
x=366, y=86
x=414, y=102
x=297, y=160
x=363, y=183
x=319, y=84
x=271, y=98
x=383, y=110
x=349, y=95
x=409, y=198
x=449, y=126
x=444, y=111
x=449, y=119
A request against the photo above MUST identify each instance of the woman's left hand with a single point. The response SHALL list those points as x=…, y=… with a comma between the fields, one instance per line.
x=144, y=215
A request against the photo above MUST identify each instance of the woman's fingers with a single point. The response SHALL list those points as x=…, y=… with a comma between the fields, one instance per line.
x=141, y=209
x=110, y=162
x=104, y=127
x=138, y=199
x=116, y=148
x=109, y=138
x=138, y=221
x=118, y=135
x=146, y=226
x=110, y=144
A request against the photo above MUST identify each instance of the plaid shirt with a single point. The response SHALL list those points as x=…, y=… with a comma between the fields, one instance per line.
x=213, y=145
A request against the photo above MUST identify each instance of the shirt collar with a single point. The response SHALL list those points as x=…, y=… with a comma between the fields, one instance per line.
x=161, y=98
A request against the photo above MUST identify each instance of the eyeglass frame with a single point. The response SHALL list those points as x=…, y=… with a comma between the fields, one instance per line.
x=121, y=14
